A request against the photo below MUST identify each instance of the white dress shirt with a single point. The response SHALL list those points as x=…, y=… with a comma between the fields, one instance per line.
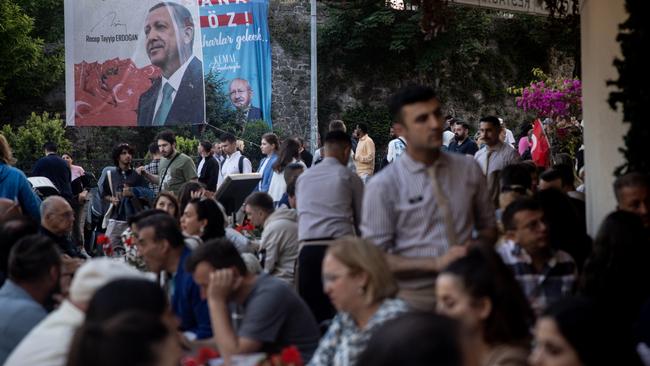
x=231, y=166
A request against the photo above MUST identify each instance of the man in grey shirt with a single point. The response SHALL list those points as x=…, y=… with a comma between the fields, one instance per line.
x=423, y=208
x=271, y=315
x=329, y=198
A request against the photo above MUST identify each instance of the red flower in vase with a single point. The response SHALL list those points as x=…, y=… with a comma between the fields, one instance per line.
x=206, y=354
x=103, y=239
x=129, y=241
x=291, y=356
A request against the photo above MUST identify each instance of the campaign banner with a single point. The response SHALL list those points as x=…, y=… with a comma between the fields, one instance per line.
x=133, y=63
x=236, y=47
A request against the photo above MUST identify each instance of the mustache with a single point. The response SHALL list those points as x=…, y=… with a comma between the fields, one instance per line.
x=154, y=43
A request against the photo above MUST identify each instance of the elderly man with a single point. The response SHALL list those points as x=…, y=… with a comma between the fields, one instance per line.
x=632, y=192
x=57, y=220
x=48, y=343
x=240, y=96
x=176, y=97
x=34, y=269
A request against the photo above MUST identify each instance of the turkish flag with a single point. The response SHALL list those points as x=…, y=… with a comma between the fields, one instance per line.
x=540, y=150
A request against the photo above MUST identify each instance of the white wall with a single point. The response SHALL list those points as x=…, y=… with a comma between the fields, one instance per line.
x=604, y=129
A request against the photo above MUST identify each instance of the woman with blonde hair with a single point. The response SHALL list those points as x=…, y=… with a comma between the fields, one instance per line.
x=360, y=285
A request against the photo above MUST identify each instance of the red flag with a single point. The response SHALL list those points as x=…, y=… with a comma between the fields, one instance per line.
x=540, y=150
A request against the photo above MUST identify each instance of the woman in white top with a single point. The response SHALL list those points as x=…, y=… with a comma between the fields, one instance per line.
x=289, y=153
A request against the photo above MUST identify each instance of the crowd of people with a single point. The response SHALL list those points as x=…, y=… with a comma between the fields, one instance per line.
x=457, y=251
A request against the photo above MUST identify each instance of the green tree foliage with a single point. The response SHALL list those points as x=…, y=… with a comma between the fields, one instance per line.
x=187, y=146
x=27, y=141
x=633, y=85
x=376, y=118
x=27, y=68
x=471, y=61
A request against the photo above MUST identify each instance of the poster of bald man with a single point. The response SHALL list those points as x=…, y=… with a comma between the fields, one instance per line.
x=133, y=63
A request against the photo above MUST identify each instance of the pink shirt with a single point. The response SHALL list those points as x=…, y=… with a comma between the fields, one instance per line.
x=523, y=145
x=76, y=171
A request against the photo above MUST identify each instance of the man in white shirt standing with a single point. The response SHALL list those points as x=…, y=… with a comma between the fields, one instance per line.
x=235, y=162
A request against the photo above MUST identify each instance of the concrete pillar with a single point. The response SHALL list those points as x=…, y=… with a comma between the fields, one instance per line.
x=604, y=129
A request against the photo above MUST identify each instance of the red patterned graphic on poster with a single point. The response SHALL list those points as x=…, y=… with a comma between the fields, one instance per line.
x=107, y=94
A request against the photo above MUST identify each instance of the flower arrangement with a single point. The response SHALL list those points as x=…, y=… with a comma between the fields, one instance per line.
x=550, y=97
x=203, y=356
x=131, y=255
x=290, y=356
x=105, y=243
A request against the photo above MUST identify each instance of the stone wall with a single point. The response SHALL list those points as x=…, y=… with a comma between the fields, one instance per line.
x=289, y=27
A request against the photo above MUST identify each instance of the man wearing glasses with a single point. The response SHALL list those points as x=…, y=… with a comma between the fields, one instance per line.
x=57, y=220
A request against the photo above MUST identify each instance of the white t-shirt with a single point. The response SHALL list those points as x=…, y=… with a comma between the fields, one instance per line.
x=447, y=137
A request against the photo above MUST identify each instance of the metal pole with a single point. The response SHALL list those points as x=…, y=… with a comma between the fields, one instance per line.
x=313, y=107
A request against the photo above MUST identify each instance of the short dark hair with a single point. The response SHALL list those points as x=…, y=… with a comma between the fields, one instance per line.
x=228, y=137
x=50, y=147
x=363, y=127
x=494, y=121
x=119, y=149
x=291, y=171
x=550, y=175
x=465, y=125
x=153, y=148
x=520, y=204
x=206, y=145
x=126, y=338
x=261, y=200
x=633, y=179
x=291, y=188
x=32, y=257
x=126, y=294
x=165, y=227
x=167, y=135
x=338, y=138
x=566, y=174
x=515, y=177
x=408, y=95
x=219, y=253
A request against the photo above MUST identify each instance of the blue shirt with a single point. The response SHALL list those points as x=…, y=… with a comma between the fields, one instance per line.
x=18, y=315
x=15, y=186
x=187, y=303
x=266, y=168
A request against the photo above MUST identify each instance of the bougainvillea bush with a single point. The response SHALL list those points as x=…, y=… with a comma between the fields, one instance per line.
x=550, y=98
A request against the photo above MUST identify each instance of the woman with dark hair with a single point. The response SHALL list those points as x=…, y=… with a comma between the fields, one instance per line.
x=204, y=219
x=167, y=202
x=482, y=294
x=269, y=146
x=289, y=154
x=128, y=338
x=620, y=253
x=188, y=192
x=572, y=332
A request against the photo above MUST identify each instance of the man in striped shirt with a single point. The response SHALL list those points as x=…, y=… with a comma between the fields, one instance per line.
x=426, y=207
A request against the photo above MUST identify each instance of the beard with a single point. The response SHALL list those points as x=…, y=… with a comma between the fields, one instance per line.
x=459, y=138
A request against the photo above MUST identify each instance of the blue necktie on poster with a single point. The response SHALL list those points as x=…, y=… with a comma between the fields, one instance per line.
x=236, y=45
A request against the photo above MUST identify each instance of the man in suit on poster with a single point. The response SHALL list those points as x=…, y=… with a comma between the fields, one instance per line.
x=177, y=97
x=241, y=95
